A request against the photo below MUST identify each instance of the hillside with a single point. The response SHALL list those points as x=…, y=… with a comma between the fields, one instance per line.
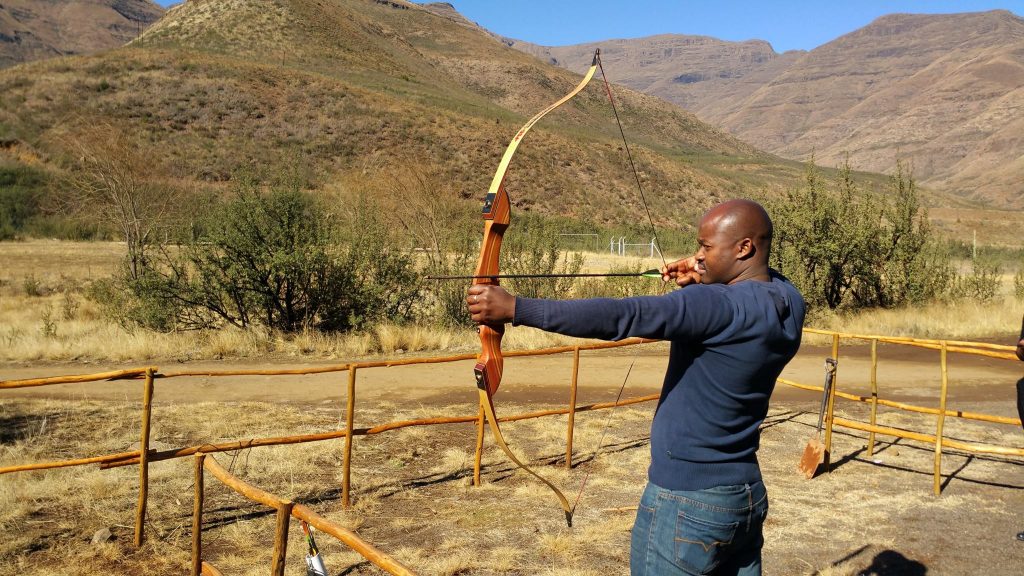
x=37, y=29
x=337, y=86
x=945, y=92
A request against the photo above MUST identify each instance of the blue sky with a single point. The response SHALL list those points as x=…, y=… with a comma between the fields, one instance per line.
x=786, y=24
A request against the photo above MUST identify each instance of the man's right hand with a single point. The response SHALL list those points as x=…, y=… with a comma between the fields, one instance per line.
x=683, y=272
x=1020, y=350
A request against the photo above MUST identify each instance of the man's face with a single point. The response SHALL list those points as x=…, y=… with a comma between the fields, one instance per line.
x=715, y=256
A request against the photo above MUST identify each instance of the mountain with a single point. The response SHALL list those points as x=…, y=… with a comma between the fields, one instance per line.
x=945, y=92
x=37, y=29
x=335, y=87
x=693, y=71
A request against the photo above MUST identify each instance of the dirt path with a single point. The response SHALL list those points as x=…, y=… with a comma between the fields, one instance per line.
x=904, y=374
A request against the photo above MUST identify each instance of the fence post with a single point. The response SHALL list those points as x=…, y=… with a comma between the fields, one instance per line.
x=572, y=406
x=350, y=410
x=147, y=409
x=284, y=514
x=197, y=516
x=831, y=405
x=941, y=421
x=874, y=394
x=479, y=447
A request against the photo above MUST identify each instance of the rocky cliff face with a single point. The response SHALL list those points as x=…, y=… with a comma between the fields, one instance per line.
x=37, y=29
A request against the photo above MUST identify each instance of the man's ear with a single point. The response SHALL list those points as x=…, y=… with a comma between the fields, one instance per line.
x=745, y=249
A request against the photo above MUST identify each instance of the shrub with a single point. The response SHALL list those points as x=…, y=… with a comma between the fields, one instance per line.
x=270, y=259
x=534, y=249
x=981, y=285
x=20, y=191
x=846, y=248
x=32, y=286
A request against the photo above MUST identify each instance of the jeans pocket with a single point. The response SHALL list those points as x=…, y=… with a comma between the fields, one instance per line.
x=700, y=542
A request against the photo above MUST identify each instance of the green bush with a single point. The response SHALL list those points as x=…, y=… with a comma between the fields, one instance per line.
x=133, y=303
x=1018, y=284
x=21, y=188
x=269, y=259
x=981, y=285
x=534, y=249
x=844, y=247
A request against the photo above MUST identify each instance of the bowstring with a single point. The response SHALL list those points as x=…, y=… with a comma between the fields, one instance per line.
x=657, y=243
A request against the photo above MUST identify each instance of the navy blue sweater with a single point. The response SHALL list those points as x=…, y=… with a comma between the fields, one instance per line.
x=729, y=344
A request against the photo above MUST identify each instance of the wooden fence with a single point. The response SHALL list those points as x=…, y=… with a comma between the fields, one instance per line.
x=144, y=456
x=285, y=510
x=941, y=412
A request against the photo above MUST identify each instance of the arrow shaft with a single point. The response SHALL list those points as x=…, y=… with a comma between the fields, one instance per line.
x=648, y=273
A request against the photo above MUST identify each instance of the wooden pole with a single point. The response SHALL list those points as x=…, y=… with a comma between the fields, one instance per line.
x=197, y=517
x=479, y=447
x=941, y=421
x=147, y=409
x=572, y=407
x=350, y=411
x=284, y=514
x=874, y=394
x=831, y=406
x=117, y=375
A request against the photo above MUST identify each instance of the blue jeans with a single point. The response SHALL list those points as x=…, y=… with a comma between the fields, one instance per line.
x=714, y=531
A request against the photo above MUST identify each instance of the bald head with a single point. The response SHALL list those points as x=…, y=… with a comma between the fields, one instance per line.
x=735, y=239
x=743, y=219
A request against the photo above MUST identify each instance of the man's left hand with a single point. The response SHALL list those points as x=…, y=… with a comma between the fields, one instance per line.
x=1020, y=349
x=490, y=304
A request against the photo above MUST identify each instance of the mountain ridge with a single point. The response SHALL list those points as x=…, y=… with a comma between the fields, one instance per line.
x=334, y=86
x=35, y=29
x=942, y=92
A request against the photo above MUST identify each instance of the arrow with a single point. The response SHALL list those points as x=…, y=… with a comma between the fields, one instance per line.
x=652, y=273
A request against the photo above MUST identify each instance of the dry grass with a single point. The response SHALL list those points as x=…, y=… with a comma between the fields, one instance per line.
x=961, y=320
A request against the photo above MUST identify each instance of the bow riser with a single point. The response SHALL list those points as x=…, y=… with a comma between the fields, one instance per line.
x=497, y=214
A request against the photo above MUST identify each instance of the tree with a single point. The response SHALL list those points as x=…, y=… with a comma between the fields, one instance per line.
x=274, y=258
x=115, y=177
x=848, y=247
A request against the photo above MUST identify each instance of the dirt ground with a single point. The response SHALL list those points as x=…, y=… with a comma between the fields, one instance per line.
x=871, y=515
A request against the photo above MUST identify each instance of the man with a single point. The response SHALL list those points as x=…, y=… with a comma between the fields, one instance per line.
x=1020, y=392
x=733, y=327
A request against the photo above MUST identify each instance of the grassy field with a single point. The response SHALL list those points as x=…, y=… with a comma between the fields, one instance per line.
x=46, y=317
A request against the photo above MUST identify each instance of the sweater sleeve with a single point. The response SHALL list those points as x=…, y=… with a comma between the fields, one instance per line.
x=692, y=313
